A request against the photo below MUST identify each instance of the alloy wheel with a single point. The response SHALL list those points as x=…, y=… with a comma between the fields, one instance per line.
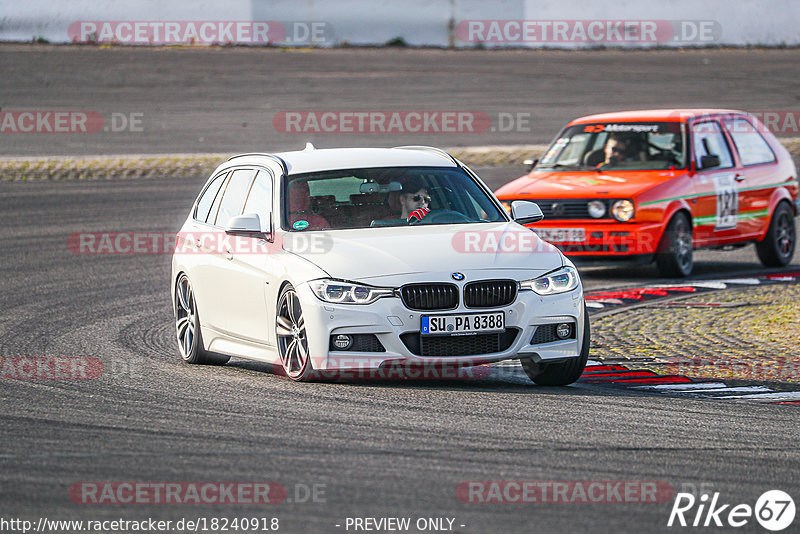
x=291, y=331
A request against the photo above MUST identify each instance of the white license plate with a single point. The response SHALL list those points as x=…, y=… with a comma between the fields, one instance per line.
x=562, y=235
x=454, y=325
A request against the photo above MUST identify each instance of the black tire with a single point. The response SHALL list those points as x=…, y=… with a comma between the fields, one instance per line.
x=562, y=373
x=777, y=247
x=187, y=327
x=290, y=332
x=675, y=252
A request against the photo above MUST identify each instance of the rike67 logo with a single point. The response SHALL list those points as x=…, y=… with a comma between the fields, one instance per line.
x=774, y=510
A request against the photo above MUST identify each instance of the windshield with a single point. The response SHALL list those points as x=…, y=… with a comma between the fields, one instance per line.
x=378, y=197
x=619, y=146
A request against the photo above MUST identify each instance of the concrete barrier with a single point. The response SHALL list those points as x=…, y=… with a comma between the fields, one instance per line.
x=462, y=23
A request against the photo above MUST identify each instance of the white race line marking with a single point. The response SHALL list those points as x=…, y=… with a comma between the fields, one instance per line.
x=740, y=389
x=591, y=304
x=593, y=362
x=766, y=396
x=745, y=281
x=676, y=387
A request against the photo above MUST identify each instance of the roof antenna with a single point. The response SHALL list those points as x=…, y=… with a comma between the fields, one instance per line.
x=309, y=147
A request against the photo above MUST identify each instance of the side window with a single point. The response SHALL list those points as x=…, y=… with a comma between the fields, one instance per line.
x=259, y=201
x=207, y=199
x=753, y=149
x=233, y=197
x=709, y=141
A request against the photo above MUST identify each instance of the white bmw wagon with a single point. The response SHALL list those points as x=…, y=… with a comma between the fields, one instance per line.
x=362, y=258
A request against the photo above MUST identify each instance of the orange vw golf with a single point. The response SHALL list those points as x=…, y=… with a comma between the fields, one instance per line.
x=654, y=185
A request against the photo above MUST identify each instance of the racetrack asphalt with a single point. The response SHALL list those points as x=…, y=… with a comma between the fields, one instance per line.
x=201, y=100
x=381, y=448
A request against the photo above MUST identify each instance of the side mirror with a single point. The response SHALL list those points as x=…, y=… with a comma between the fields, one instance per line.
x=248, y=224
x=526, y=212
x=710, y=161
x=531, y=163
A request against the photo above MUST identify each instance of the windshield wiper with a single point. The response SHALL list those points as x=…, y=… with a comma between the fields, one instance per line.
x=565, y=166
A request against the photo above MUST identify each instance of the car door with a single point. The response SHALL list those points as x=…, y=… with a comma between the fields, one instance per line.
x=715, y=205
x=757, y=174
x=253, y=268
x=218, y=249
x=197, y=245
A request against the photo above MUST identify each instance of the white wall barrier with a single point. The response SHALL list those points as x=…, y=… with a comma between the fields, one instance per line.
x=458, y=23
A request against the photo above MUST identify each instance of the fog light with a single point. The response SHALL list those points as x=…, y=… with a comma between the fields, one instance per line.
x=563, y=330
x=342, y=342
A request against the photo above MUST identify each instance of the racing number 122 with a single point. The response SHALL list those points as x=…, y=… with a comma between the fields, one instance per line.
x=727, y=202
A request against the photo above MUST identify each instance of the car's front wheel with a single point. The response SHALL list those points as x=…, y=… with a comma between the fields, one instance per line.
x=674, y=257
x=777, y=247
x=290, y=328
x=562, y=373
x=187, y=327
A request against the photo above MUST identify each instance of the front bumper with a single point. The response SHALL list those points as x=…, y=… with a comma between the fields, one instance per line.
x=607, y=239
x=396, y=327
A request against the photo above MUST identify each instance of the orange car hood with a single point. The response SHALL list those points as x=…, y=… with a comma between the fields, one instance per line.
x=564, y=184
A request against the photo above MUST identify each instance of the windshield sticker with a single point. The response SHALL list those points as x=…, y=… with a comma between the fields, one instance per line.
x=635, y=128
x=300, y=225
x=555, y=149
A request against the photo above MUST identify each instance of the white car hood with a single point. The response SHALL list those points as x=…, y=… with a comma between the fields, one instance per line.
x=369, y=253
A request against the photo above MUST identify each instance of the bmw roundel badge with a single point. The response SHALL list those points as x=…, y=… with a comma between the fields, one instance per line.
x=457, y=276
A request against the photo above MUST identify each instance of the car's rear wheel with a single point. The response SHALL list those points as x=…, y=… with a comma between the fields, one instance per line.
x=562, y=373
x=292, y=338
x=777, y=247
x=187, y=327
x=675, y=252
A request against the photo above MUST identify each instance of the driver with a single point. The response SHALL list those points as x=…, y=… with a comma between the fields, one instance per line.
x=414, y=200
x=615, y=150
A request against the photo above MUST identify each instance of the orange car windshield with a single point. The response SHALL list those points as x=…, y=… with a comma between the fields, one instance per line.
x=629, y=146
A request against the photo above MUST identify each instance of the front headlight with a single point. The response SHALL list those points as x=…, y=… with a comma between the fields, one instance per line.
x=596, y=208
x=560, y=281
x=339, y=292
x=622, y=210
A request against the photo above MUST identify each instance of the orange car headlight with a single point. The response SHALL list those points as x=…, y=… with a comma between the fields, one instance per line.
x=622, y=210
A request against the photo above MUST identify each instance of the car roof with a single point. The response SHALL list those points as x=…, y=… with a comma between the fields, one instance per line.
x=313, y=160
x=667, y=115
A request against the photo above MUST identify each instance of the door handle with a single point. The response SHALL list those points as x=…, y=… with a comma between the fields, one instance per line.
x=228, y=254
x=739, y=177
